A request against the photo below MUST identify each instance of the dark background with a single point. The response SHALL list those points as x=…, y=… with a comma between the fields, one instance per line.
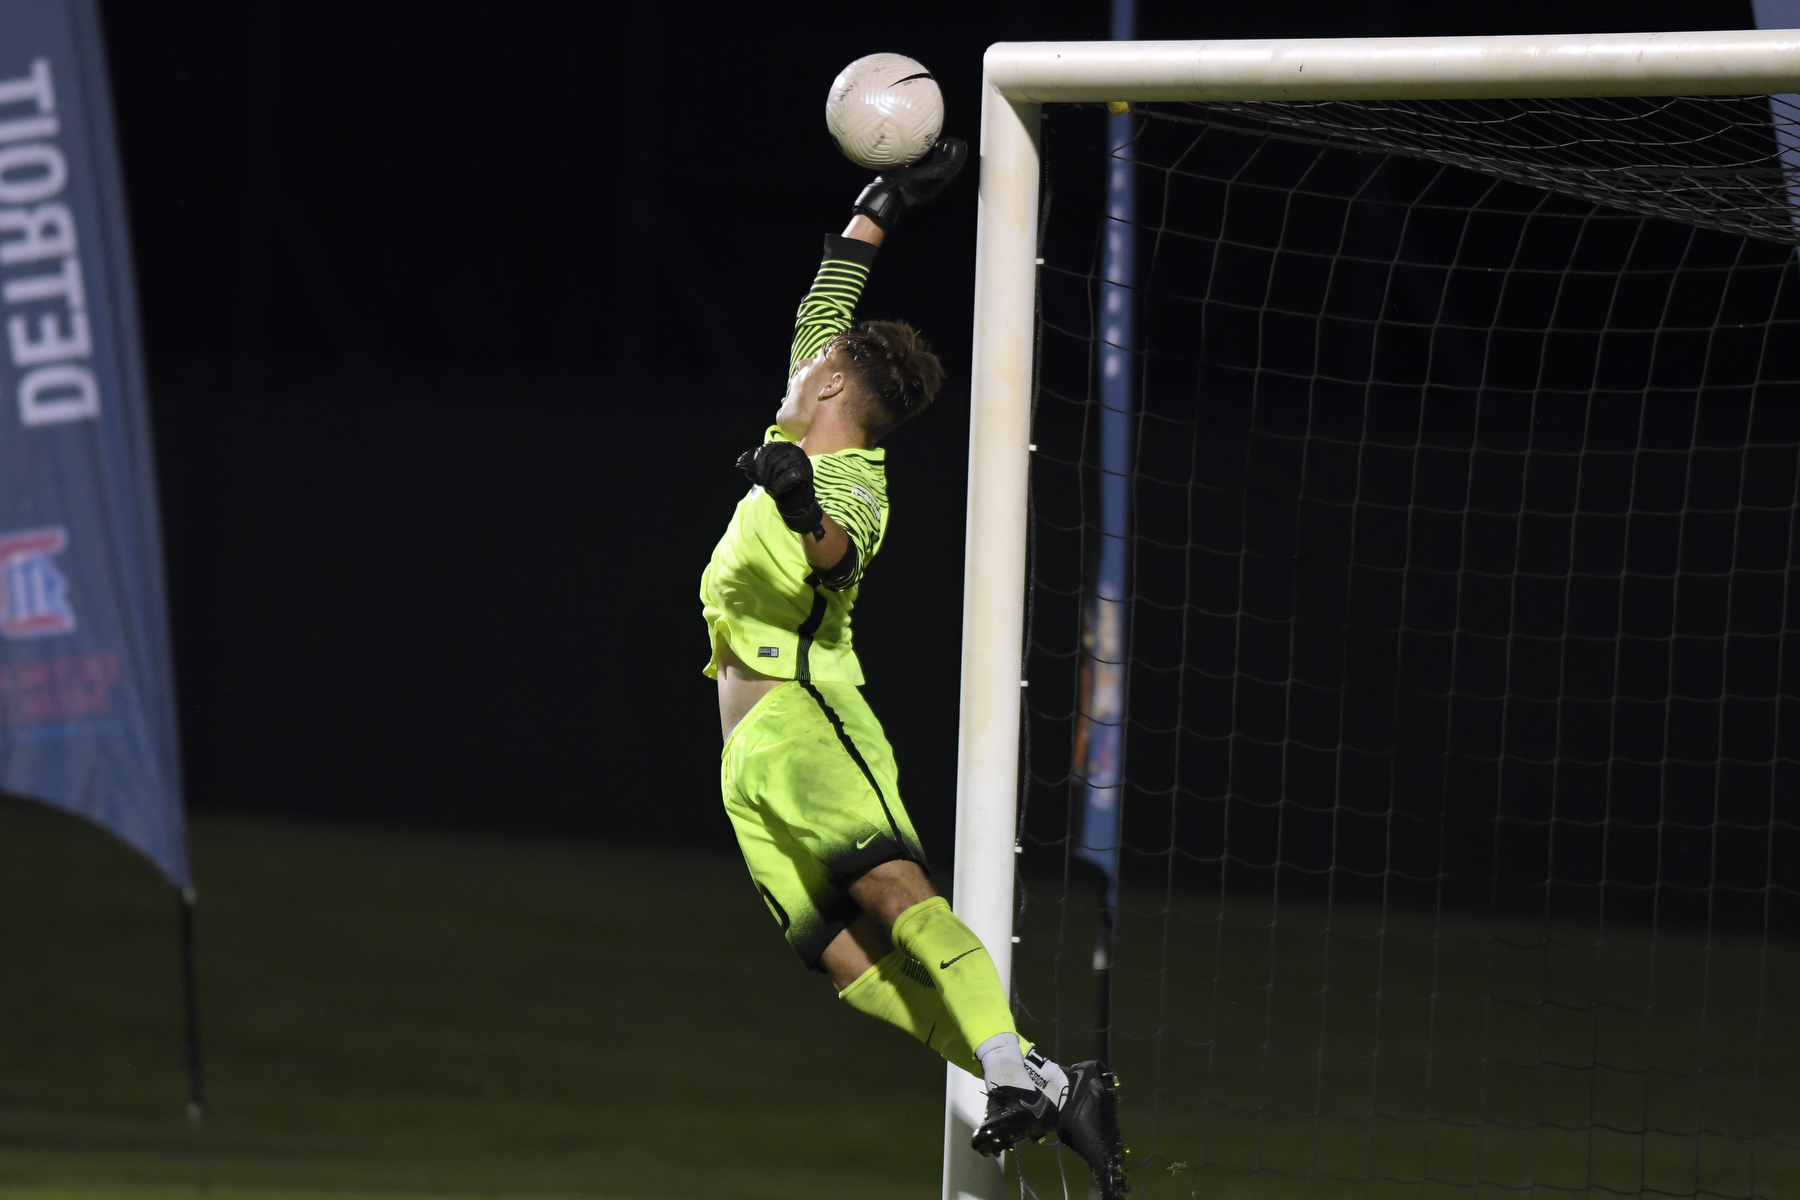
x=457, y=313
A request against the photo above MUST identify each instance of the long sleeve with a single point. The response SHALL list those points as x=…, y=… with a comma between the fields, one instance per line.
x=830, y=304
x=852, y=487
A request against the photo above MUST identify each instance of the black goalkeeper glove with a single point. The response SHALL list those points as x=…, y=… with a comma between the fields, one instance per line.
x=900, y=188
x=782, y=470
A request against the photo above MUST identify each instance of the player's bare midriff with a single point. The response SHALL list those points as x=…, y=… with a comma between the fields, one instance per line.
x=740, y=688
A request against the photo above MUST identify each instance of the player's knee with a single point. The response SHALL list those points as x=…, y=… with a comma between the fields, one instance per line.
x=854, y=950
x=889, y=889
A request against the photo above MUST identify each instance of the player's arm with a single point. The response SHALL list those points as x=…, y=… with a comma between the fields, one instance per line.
x=830, y=551
x=829, y=306
x=861, y=229
x=782, y=470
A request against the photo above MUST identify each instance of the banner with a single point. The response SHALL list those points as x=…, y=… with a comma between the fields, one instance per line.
x=87, y=716
x=1100, y=734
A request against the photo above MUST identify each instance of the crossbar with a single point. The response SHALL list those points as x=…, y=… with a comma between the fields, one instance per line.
x=1722, y=63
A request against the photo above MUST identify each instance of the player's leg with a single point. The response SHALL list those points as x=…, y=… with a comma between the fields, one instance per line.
x=849, y=803
x=811, y=787
x=821, y=921
x=898, y=987
x=1024, y=1096
x=888, y=984
x=792, y=882
x=1028, y=1094
x=854, y=952
x=900, y=899
x=891, y=985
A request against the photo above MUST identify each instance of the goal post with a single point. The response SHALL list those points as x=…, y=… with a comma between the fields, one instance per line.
x=1018, y=79
x=994, y=578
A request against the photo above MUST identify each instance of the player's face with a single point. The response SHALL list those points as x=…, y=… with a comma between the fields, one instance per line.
x=810, y=378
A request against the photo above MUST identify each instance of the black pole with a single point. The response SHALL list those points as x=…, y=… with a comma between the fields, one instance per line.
x=190, y=1004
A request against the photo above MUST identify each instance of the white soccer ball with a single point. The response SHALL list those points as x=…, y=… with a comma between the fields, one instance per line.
x=885, y=110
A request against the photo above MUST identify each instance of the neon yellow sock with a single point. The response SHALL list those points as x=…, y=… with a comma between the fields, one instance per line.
x=899, y=991
x=960, y=968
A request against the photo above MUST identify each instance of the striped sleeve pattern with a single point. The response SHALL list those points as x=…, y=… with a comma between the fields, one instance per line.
x=830, y=305
x=854, y=491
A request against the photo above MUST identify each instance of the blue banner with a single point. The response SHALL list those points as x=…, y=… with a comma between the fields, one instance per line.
x=87, y=717
x=1100, y=735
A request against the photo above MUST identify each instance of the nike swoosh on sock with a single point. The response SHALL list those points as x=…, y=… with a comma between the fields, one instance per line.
x=945, y=966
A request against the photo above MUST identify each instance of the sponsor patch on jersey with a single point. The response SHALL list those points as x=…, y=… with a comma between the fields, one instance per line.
x=768, y=652
x=868, y=498
x=34, y=594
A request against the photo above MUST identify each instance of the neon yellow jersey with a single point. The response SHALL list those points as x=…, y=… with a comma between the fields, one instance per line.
x=763, y=598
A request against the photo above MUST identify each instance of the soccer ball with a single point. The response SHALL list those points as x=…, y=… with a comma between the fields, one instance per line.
x=885, y=110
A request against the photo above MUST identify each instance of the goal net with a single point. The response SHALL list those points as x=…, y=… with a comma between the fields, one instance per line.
x=1458, y=649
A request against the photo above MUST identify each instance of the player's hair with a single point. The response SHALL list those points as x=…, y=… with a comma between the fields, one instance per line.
x=895, y=373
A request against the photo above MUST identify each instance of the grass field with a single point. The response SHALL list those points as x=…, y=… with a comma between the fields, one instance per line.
x=1326, y=1055
x=401, y=1014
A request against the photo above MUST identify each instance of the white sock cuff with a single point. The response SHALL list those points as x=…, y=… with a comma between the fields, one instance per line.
x=1002, y=1065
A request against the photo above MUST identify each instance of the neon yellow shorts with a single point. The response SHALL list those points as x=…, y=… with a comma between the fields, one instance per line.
x=812, y=791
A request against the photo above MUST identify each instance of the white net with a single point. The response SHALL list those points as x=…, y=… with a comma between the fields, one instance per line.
x=1461, y=724
x=1720, y=162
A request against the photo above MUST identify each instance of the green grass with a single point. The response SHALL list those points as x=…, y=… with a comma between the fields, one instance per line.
x=1302, y=1053
x=401, y=1014
x=136, y=1190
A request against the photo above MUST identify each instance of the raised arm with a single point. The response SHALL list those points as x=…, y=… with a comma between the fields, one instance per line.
x=829, y=306
x=828, y=309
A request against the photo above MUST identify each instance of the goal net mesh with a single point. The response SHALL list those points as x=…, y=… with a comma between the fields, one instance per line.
x=1460, y=768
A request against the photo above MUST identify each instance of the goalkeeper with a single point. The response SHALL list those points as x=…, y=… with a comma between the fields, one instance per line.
x=809, y=780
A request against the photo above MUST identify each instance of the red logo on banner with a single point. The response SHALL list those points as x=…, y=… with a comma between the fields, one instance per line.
x=34, y=595
x=58, y=689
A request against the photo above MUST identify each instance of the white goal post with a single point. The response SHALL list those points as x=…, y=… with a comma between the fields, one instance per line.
x=1017, y=78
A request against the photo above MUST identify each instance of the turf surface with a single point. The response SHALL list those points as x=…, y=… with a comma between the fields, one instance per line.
x=1306, y=1053
x=400, y=1014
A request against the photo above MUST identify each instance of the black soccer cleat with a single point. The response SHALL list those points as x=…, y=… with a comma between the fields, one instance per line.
x=1089, y=1125
x=1013, y=1115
